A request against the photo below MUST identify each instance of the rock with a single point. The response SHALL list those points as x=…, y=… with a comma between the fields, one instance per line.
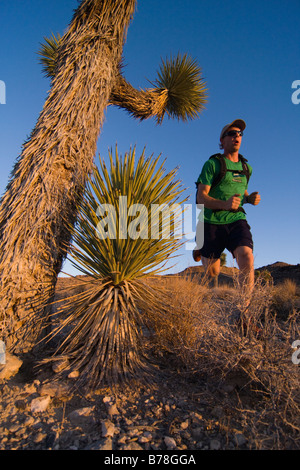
x=39, y=437
x=107, y=445
x=197, y=433
x=104, y=444
x=31, y=387
x=107, y=428
x=240, y=439
x=133, y=432
x=170, y=443
x=40, y=404
x=132, y=446
x=21, y=405
x=196, y=417
x=14, y=427
x=217, y=411
x=215, y=444
x=2, y=353
x=107, y=400
x=82, y=415
x=184, y=424
x=29, y=421
x=51, y=439
x=55, y=389
x=146, y=437
x=112, y=410
x=228, y=388
x=111, y=407
x=37, y=425
x=11, y=367
x=122, y=439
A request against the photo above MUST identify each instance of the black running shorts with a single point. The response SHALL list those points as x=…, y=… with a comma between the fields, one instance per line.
x=229, y=236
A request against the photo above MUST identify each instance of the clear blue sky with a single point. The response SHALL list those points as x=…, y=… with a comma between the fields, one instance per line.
x=249, y=51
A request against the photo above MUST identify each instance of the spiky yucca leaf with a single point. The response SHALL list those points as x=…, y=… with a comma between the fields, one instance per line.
x=104, y=341
x=49, y=54
x=124, y=188
x=182, y=78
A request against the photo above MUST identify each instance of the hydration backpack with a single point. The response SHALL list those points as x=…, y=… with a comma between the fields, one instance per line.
x=223, y=170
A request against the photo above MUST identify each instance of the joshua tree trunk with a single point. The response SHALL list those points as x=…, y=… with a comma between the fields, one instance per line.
x=39, y=206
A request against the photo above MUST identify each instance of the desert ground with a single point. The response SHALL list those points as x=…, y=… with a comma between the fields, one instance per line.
x=225, y=391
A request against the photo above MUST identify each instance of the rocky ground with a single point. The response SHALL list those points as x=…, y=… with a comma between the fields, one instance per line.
x=173, y=411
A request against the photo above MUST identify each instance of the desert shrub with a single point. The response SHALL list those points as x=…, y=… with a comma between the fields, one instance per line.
x=284, y=297
x=177, y=330
x=203, y=333
x=264, y=276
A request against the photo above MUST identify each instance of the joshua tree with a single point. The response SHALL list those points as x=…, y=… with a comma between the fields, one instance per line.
x=39, y=206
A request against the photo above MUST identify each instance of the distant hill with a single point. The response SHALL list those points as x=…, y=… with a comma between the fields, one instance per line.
x=279, y=272
x=196, y=274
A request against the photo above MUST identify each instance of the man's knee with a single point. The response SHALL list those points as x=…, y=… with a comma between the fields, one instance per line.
x=244, y=257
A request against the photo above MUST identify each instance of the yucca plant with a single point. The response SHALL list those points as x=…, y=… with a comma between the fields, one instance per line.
x=119, y=246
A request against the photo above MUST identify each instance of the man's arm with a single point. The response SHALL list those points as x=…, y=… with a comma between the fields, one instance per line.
x=209, y=202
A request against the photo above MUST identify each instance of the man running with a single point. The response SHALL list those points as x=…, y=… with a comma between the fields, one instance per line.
x=225, y=224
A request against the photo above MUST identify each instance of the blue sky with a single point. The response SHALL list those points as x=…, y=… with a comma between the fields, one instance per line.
x=249, y=52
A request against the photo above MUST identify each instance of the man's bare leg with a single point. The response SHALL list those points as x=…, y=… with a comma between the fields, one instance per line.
x=212, y=269
x=245, y=260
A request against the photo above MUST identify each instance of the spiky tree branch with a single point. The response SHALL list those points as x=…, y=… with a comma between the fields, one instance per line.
x=179, y=90
x=141, y=104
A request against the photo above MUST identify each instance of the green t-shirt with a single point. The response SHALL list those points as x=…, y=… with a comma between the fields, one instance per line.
x=232, y=183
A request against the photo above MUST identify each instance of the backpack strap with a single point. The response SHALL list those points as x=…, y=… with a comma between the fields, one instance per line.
x=222, y=173
x=245, y=171
x=218, y=178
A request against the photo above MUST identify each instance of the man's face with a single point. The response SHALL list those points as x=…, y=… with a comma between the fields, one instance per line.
x=232, y=143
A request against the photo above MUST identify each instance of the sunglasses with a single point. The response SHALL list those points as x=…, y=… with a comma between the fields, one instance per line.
x=233, y=133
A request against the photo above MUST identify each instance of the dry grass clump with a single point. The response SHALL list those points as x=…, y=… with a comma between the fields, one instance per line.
x=203, y=333
x=286, y=296
x=179, y=329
